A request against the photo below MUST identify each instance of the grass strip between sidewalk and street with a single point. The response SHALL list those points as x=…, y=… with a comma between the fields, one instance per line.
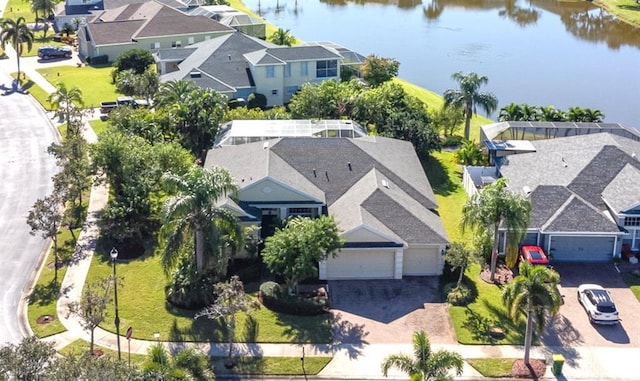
x=492, y=367
x=81, y=347
x=273, y=366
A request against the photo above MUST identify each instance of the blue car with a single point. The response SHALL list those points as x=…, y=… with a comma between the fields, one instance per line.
x=47, y=52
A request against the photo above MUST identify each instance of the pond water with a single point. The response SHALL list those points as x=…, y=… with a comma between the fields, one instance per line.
x=540, y=52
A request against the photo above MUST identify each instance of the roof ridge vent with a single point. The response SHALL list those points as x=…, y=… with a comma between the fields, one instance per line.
x=195, y=74
x=265, y=145
x=385, y=184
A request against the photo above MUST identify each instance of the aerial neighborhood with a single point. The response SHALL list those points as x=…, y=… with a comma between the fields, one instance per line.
x=212, y=197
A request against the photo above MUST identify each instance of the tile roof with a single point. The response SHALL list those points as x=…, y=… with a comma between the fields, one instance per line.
x=356, y=178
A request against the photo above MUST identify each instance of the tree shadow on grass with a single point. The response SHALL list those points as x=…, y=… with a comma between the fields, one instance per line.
x=306, y=329
x=43, y=295
x=438, y=176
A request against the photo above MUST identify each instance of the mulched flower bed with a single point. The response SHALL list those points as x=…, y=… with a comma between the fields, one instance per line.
x=45, y=319
x=503, y=275
x=535, y=369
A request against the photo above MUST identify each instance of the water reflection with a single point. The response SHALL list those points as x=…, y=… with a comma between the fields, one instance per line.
x=404, y=4
x=599, y=26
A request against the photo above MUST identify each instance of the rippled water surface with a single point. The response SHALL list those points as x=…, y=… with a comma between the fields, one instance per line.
x=540, y=52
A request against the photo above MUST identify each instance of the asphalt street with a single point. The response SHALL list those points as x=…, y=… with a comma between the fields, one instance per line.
x=25, y=175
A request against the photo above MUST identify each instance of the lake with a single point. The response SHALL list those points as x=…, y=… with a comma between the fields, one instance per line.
x=540, y=52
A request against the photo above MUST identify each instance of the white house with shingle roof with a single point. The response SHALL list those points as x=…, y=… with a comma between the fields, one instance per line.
x=149, y=26
x=374, y=187
x=585, y=194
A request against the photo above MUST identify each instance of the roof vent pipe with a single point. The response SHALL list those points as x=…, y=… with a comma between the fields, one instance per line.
x=326, y=174
x=349, y=164
x=314, y=173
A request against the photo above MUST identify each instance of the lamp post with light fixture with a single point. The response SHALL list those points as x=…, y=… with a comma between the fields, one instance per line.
x=114, y=257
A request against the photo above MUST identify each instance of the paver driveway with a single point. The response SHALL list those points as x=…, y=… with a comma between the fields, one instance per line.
x=389, y=311
x=571, y=327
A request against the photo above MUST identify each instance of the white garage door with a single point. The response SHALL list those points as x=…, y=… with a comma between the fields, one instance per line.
x=361, y=264
x=582, y=249
x=424, y=261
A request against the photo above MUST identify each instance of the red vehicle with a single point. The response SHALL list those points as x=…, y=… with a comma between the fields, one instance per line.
x=534, y=255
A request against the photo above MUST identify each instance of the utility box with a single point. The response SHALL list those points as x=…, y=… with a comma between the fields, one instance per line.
x=558, y=362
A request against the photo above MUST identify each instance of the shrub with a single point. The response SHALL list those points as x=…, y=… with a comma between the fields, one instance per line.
x=458, y=296
x=276, y=299
x=98, y=60
x=452, y=141
x=188, y=290
x=257, y=100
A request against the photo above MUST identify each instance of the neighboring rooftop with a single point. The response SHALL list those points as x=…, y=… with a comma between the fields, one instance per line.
x=504, y=131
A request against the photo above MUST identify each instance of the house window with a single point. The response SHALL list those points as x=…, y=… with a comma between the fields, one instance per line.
x=326, y=69
x=274, y=92
x=302, y=212
x=191, y=40
x=304, y=69
x=155, y=45
x=632, y=221
x=271, y=71
x=176, y=44
x=287, y=70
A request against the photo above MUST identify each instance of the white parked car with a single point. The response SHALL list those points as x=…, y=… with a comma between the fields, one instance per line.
x=598, y=303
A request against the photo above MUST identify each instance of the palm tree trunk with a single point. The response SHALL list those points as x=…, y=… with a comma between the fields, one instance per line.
x=199, y=250
x=18, y=51
x=461, y=276
x=494, y=252
x=468, y=112
x=230, y=332
x=55, y=259
x=91, y=344
x=528, y=335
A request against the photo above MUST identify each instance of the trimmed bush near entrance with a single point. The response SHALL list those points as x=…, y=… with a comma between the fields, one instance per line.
x=276, y=299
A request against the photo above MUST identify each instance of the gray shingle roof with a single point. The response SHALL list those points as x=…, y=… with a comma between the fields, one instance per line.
x=545, y=201
x=354, y=177
x=623, y=192
x=299, y=53
x=578, y=216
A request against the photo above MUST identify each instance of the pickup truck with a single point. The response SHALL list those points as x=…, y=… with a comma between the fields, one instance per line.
x=107, y=107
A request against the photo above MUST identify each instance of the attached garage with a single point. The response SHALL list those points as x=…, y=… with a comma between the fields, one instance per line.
x=361, y=264
x=581, y=248
x=421, y=261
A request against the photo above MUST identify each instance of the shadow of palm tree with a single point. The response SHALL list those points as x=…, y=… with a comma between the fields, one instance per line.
x=44, y=294
x=347, y=336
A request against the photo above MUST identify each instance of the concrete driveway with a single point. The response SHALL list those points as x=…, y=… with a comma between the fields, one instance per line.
x=389, y=311
x=571, y=327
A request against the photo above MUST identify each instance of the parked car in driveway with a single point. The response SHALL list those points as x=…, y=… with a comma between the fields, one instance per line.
x=598, y=304
x=47, y=52
x=534, y=255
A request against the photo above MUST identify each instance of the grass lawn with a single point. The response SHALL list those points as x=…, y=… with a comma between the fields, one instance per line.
x=142, y=305
x=44, y=297
x=99, y=126
x=80, y=347
x=272, y=365
x=19, y=8
x=488, y=306
x=492, y=367
x=626, y=10
x=36, y=91
x=95, y=82
x=633, y=281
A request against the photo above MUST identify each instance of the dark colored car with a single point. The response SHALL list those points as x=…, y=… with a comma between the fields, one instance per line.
x=534, y=255
x=47, y=52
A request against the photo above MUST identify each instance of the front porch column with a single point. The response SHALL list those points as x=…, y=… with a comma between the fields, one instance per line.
x=322, y=270
x=398, y=263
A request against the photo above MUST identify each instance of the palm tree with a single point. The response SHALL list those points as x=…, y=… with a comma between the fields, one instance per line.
x=17, y=33
x=282, y=37
x=469, y=98
x=550, y=114
x=67, y=99
x=510, y=112
x=194, y=210
x=594, y=116
x=529, y=113
x=533, y=292
x=496, y=206
x=425, y=364
x=173, y=92
x=575, y=114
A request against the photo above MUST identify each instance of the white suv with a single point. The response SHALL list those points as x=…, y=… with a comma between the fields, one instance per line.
x=598, y=303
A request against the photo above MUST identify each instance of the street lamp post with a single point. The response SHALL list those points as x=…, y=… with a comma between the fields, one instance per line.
x=114, y=256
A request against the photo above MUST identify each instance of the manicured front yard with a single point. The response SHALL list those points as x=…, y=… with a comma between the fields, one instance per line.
x=94, y=82
x=142, y=305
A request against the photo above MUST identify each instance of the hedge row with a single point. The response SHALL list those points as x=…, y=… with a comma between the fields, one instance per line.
x=276, y=299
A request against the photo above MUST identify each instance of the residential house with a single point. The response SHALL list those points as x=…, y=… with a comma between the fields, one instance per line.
x=583, y=186
x=232, y=17
x=374, y=187
x=237, y=65
x=150, y=26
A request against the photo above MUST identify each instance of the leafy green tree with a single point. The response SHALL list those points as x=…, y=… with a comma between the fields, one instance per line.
x=148, y=84
x=469, y=97
x=17, y=34
x=194, y=211
x=196, y=120
x=282, y=37
x=82, y=367
x=125, y=82
x=67, y=29
x=65, y=99
x=533, y=293
x=92, y=308
x=497, y=206
x=47, y=8
x=173, y=92
x=447, y=120
x=46, y=217
x=459, y=257
x=325, y=100
x=28, y=360
x=137, y=60
x=153, y=126
x=425, y=364
x=295, y=250
x=230, y=300
x=377, y=70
